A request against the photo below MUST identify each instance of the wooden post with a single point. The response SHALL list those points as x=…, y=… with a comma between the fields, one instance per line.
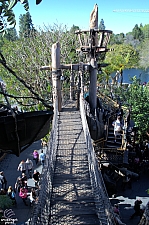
x=78, y=90
x=93, y=62
x=82, y=78
x=72, y=85
x=93, y=85
x=56, y=74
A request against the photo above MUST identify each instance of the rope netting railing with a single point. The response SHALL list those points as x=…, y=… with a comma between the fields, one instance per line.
x=41, y=210
x=145, y=218
x=103, y=205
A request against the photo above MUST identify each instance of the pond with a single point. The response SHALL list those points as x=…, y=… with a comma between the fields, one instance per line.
x=143, y=75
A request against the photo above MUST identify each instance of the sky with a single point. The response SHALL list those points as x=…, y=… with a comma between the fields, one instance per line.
x=77, y=12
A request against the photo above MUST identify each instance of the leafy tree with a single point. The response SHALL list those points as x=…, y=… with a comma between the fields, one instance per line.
x=26, y=27
x=138, y=99
x=32, y=89
x=104, y=77
x=123, y=56
x=145, y=31
x=7, y=13
x=11, y=34
x=143, y=53
x=102, y=25
x=129, y=40
x=117, y=39
x=74, y=28
x=137, y=33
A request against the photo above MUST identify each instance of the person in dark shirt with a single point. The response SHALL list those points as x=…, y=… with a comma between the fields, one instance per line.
x=137, y=209
x=24, y=180
x=4, y=180
x=18, y=184
x=36, y=176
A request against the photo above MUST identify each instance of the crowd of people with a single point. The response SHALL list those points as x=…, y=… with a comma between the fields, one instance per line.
x=138, y=160
x=21, y=188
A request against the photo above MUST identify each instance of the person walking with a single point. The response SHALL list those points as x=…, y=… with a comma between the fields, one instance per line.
x=36, y=156
x=3, y=180
x=137, y=209
x=24, y=180
x=117, y=127
x=12, y=195
x=36, y=177
x=22, y=167
x=116, y=209
x=33, y=196
x=23, y=194
x=43, y=143
x=29, y=164
x=18, y=184
x=42, y=157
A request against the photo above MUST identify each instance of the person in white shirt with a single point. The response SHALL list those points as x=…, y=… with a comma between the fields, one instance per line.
x=42, y=157
x=1, y=178
x=33, y=196
x=117, y=127
x=29, y=165
x=22, y=166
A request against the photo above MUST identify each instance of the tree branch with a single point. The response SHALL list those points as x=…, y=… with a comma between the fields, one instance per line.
x=16, y=97
x=3, y=62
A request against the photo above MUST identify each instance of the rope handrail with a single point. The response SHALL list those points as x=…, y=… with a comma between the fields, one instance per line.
x=98, y=141
x=41, y=210
x=102, y=200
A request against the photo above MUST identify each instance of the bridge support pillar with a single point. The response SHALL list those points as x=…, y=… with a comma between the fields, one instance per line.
x=93, y=85
x=56, y=73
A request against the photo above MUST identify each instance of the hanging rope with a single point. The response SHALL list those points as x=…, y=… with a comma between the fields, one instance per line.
x=3, y=90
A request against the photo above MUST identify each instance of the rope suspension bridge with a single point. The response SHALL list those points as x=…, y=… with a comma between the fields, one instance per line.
x=72, y=190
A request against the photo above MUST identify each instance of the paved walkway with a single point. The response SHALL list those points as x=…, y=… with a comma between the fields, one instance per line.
x=126, y=198
x=9, y=165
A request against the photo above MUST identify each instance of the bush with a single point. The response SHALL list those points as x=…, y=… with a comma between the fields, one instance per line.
x=5, y=202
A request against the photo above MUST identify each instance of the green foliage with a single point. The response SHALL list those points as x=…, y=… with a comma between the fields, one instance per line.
x=102, y=25
x=74, y=28
x=137, y=33
x=11, y=34
x=145, y=31
x=26, y=26
x=6, y=11
x=123, y=56
x=26, y=55
x=5, y=202
x=144, y=56
x=137, y=97
x=117, y=39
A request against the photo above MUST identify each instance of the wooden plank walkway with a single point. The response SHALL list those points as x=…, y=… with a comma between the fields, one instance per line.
x=72, y=200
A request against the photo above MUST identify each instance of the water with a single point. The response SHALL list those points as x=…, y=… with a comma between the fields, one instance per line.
x=143, y=75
